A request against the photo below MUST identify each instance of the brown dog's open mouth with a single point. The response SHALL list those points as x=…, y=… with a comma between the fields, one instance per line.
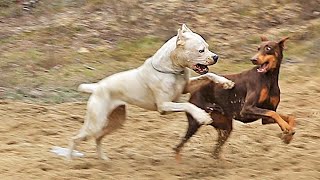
x=200, y=68
x=263, y=67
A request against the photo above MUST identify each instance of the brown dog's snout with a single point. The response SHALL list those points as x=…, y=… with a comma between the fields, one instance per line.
x=254, y=59
x=215, y=58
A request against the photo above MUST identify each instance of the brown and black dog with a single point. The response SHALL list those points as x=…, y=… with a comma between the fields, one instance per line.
x=256, y=95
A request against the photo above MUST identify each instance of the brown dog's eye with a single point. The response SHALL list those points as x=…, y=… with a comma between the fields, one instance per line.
x=268, y=48
x=258, y=48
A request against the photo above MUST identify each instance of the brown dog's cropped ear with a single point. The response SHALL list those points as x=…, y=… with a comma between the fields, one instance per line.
x=264, y=38
x=281, y=42
x=180, y=38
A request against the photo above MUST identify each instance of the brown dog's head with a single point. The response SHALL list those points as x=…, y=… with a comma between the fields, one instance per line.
x=269, y=55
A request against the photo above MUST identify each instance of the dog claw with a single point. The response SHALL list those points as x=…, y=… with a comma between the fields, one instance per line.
x=287, y=136
x=225, y=83
x=228, y=85
x=289, y=132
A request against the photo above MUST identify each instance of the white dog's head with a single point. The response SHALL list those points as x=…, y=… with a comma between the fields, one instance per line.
x=192, y=51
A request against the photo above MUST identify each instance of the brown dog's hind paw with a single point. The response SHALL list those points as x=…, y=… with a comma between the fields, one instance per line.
x=287, y=136
x=217, y=155
x=289, y=132
x=178, y=157
x=177, y=154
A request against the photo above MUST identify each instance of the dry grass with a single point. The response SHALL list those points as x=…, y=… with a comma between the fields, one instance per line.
x=41, y=49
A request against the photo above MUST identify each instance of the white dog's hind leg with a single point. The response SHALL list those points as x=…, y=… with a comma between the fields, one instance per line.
x=75, y=140
x=200, y=115
x=95, y=120
x=115, y=121
x=100, y=153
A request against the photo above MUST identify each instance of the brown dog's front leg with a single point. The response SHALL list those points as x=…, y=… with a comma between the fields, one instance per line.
x=223, y=136
x=282, y=123
x=193, y=127
x=289, y=119
x=255, y=111
x=265, y=113
x=268, y=121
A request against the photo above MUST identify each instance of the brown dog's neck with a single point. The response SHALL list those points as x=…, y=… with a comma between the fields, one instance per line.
x=273, y=74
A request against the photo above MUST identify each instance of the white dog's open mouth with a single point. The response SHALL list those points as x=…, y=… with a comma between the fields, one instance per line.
x=200, y=68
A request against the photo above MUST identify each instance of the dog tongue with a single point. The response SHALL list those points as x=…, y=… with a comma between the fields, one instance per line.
x=262, y=68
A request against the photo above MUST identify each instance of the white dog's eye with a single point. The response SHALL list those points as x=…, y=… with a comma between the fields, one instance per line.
x=268, y=48
x=201, y=50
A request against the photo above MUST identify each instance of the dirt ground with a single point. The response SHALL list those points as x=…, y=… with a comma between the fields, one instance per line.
x=142, y=149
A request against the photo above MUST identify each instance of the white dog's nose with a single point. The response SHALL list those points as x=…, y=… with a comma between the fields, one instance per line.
x=215, y=58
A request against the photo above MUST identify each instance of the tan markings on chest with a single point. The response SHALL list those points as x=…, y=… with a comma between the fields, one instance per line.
x=274, y=100
x=264, y=94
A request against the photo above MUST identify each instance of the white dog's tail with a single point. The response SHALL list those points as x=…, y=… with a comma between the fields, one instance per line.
x=88, y=88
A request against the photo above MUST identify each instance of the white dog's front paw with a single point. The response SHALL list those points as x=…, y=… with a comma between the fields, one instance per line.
x=203, y=117
x=226, y=83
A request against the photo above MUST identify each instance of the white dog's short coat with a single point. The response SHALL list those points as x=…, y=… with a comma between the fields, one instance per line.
x=155, y=85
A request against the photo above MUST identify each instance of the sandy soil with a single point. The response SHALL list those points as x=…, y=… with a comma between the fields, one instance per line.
x=142, y=149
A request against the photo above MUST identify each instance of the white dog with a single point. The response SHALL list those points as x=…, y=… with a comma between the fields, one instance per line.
x=155, y=85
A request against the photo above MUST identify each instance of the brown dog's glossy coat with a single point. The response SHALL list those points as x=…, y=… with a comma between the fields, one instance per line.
x=256, y=95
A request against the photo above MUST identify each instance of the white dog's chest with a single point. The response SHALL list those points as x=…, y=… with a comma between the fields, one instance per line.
x=174, y=87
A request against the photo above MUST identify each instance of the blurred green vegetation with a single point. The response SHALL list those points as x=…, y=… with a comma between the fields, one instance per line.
x=59, y=44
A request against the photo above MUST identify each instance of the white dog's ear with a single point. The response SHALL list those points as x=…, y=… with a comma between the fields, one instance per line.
x=184, y=28
x=180, y=38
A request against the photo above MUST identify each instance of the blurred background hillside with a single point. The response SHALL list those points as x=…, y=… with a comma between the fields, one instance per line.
x=49, y=47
